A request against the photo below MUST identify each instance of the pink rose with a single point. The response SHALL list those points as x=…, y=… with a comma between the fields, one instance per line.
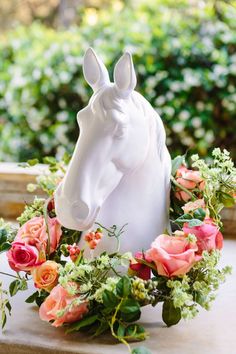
x=208, y=235
x=172, y=255
x=34, y=233
x=58, y=300
x=22, y=257
x=190, y=180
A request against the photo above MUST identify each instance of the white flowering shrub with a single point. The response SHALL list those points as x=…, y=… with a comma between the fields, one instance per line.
x=186, y=65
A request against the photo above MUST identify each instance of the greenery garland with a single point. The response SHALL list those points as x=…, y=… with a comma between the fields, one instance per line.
x=96, y=296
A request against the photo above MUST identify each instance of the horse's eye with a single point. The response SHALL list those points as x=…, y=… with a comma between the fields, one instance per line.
x=118, y=120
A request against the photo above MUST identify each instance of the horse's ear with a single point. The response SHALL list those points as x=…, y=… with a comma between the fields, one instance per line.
x=124, y=75
x=95, y=72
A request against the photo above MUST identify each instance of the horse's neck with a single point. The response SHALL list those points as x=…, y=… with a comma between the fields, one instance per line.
x=140, y=201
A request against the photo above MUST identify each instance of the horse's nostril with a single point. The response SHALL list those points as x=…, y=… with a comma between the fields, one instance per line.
x=80, y=210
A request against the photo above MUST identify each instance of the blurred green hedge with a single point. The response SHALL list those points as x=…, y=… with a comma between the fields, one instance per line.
x=186, y=64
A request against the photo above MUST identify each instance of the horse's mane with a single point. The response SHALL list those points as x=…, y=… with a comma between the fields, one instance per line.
x=155, y=121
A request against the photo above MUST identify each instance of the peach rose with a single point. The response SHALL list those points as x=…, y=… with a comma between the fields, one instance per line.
x=34, y=233
x=45, y=276
x=58, y=300
x=208, y=235
x=172, y=255
x=55, y=233
x=22, y=257
x=192, y=206
x=190, y=180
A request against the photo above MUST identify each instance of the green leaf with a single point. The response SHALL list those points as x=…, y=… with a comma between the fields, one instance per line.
x=123, y=287
x=184, y=218
x=14, y=287
x=5, y=247
x=141, y=350
x=109, y=299
x=129, y=305
x=86, y=321
x=8, y=306
x=194, y=222
x=103, y=327
x=130, y=310
x=33, y=162
x=4, y=319
x=170, y=314
x=23, y=285
x=3, y=235
x=226, y=199
x=32, y=298
x=121, y=331
x=200, y=298
x=199, y=214
x=50, y=160
x=66, y=158
x=176, y=163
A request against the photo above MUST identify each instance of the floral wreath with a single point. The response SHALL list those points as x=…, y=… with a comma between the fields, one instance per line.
x=179, y=270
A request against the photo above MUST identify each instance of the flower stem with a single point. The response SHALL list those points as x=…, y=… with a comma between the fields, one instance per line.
x=9, y=275
x=181, y=187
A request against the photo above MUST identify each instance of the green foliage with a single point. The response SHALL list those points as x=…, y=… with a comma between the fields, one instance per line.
x=140, y=350
x=17, y=285
x=184, y=58
x=5, y=306
x=220, y=181
x=32, y=210
x=170, y=314
x=7, y=234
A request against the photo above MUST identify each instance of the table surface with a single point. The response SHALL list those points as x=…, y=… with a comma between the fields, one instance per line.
x=211, y=332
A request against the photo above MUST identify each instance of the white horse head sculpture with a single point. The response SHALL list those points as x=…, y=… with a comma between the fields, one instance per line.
x=120, y=170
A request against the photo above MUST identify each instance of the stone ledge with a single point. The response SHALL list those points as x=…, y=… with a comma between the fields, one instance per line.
x=13, y=188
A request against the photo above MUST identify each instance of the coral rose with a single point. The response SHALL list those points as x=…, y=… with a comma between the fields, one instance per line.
x=208, y=235
x=59, y=300
x=34, y=233
x=190, y=180
x=45, y=276
x=22, y=257
x=172, y=255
